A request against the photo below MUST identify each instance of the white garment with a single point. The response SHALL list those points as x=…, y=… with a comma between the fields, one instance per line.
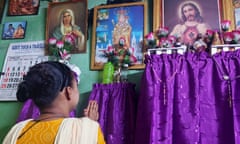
x=71, y=131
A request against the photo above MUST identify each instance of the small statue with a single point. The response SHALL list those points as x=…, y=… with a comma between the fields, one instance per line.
x=217, y=40
x=199, y=45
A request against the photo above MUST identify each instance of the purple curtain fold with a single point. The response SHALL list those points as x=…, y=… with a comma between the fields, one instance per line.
x=30, y=110
x=117, y=111
x=189, y=99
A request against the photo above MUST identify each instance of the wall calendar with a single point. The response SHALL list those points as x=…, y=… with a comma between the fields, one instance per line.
x=19, y=57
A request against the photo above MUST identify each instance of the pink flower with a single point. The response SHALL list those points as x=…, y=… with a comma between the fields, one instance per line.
x=225, y=25
x=64, y=55
x=236, y=36
x=228, y=37
x=172, y=39
x=110, y=49
x=60, y=44
x=162, y=32
x=150, y=36
x=52, y=41
x=164, y=42
x=70, y=38
x=150, y=40
x=133, y=59
x=210, y=33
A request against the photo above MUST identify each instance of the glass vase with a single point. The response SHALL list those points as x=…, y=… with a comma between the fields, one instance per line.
x=108, y=70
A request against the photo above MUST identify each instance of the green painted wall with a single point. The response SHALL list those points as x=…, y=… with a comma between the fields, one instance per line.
x=36, y=31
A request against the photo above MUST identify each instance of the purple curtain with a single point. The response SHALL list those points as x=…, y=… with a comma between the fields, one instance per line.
x=190, y=99
x=117, y=111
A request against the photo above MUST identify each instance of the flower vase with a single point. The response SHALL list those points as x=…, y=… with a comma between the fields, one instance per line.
x=108, y=70
x=117, y=73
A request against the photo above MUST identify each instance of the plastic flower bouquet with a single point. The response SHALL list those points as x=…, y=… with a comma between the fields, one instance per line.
x=60, y=49
x=162, y=32
x=150, y=40
x=119, y=56
x=61, y=52
x=225, y=25
x=236, y=36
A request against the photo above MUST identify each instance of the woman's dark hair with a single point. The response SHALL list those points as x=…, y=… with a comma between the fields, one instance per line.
x=43, y=82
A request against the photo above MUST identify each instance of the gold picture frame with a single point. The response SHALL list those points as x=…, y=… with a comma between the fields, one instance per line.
x=2, y=5
x=105, y=19
x=236, y=8
x=225, y=11
x=20, y=8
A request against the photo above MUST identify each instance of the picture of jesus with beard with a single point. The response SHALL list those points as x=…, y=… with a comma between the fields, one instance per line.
x=191, y=25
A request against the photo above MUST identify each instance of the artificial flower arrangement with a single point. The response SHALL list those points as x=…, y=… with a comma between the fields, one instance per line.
x=161, y=38
x=229, y=37
x=120, y=54
x=61, y=49
x=225, y=25
x=162, y=32
x=151, y=40
x=61, y=52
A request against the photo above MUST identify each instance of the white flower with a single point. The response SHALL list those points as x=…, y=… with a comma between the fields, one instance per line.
x=60, y=44
x=52, y=41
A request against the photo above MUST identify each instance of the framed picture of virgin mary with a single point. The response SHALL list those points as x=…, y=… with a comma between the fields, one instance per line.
x=116, y=22
x=68, y=19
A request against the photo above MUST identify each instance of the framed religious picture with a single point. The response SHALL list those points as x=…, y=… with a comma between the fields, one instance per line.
x=185, y=19
x=68, y=20
x=118, y=34
x=236, y=7
x=62, y=0
x=120, y=1
x=236, y=3
x=23, y=7
x=2, y=5
x=237, y=18
x=14, y=30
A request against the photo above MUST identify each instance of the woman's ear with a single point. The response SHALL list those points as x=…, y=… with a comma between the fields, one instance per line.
x=68, y=92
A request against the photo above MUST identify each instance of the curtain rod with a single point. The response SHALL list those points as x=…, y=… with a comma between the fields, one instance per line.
x=170, y=50
x=225, y=47
x=182, y=49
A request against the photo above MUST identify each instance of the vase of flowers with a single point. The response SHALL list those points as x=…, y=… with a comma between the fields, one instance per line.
x=162, y=35
x=108, y=70
x=119, y=55
x=150, y=40
x=60, y=50
x=162, y=32
x=236, y=36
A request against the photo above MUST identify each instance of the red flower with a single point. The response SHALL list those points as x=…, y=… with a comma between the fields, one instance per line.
x=228, y=37
x=225, y=25
x=150, y=36
x=162, y=32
